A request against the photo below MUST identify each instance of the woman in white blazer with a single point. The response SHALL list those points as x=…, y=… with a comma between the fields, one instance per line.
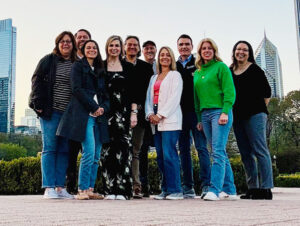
x=164, y=113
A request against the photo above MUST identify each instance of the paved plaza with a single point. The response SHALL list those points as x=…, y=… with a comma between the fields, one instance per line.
x=34, y=210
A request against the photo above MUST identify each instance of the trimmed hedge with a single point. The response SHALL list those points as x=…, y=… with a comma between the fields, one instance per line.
x=288, y=180
x=23, y=176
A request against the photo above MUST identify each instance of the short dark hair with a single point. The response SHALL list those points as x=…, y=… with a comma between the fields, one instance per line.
x=84, y=30
x=59, y=38
x=185, y=36
x=251, y=54
x=98, y=62
x=136, y=38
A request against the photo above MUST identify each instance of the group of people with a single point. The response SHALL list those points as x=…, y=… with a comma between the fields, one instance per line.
x=114, y=109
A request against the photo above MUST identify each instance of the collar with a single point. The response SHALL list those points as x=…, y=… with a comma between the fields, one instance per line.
x=130, y=62
x=209, y=63
x=185, y=61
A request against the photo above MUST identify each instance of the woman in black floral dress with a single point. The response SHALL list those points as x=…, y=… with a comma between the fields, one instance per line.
x=117, y=155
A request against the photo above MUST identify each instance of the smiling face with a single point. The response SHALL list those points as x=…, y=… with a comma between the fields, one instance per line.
x=90, y=50
x=114, y=48
x=65, y=46
x=185, y=47
x=241, y=53
x=207, y=52
x=132, y=47
x=165, y=59
x=81, y=38
x=149, y=52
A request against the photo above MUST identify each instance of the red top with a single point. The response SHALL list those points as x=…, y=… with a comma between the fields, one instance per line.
x=156, y=91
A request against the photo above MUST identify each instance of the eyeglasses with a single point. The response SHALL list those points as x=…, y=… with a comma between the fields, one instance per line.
x=244, y=50
x=65, y=42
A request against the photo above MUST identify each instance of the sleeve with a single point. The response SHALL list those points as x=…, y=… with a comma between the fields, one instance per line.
x=148, y=104
x=227, y=87
x=78, y=91
x=196, y=100
x=174, y=99
x=132, y=77
x=265, y=89
x=38, y=81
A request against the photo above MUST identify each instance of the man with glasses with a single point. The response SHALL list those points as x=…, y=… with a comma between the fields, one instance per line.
x=186, y=67
x=81, y=37
x=143, y=73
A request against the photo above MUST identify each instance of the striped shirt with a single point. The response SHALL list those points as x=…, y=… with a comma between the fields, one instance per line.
x=62, y=86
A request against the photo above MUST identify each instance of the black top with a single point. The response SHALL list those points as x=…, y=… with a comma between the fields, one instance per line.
x=251, y=88
x=187, y=97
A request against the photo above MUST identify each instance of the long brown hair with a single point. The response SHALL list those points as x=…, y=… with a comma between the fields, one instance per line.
x=59, y=38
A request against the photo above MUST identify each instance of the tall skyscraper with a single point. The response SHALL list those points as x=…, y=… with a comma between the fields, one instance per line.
x=266, y=56
x=8, y=35
x=297, y=14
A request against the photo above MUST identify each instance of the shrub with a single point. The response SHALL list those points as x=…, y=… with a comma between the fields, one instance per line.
x=288, y=161
x=291, y=180
x=11, y=151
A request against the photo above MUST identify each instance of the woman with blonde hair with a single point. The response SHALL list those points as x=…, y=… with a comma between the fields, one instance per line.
x=117, y=154
x=164, y=113
x=214, y=97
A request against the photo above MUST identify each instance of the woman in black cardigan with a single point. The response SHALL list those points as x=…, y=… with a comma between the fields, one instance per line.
x=250, y=117
x=85, y=118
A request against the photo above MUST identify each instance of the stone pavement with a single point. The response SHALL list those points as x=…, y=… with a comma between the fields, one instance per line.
x=34, y=210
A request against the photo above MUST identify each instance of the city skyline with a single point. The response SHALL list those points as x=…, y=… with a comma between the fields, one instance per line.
x=8, y=34
x=224, y=21
x=267, y=57
x=297, y=19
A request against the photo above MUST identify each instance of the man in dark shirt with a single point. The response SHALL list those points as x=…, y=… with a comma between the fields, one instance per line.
x=186, y=67
x=143, y=72
x=81, y=37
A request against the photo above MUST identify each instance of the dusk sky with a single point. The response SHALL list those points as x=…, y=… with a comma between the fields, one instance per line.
x=39, y=22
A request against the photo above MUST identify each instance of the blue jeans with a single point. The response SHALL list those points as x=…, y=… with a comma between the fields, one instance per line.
x=217, y=136
x=91, y=148
x=55, y=153
x=168, y=160
x=251, y=139
x=189, y=123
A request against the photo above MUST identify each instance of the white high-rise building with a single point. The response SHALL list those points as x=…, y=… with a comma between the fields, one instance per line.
x=297, y=15
x=267, y=57
x=31, y=119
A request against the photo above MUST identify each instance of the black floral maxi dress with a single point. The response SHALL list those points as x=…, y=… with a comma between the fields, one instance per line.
x=117, y=155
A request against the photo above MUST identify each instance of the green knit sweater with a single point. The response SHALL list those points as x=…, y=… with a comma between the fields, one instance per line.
x=213, y=88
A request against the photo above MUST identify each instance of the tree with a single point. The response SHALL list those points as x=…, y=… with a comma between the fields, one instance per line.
x=9, y=152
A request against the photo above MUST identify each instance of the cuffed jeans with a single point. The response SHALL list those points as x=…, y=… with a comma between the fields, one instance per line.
x=91, y=148
x=217, y=136
x=168, y=160
x=251, y=139
x=55, y=157
x=189, y=123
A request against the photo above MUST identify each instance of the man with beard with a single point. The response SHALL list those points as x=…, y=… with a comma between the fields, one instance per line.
x=143, y=73
x=186, y=67
x=81, y=37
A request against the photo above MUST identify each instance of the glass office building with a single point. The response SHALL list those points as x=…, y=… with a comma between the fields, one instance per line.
x=297, y=14
x=7, y=75
x=267, y=57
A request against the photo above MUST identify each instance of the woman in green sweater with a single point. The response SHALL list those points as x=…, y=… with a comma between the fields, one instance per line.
x=214, y=97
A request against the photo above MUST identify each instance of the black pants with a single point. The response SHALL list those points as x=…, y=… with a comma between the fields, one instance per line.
x=72, y=172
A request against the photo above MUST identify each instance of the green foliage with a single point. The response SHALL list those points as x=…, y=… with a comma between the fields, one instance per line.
x=288, y=161
x=33, y=144
x=291, y=180
x=11, y=151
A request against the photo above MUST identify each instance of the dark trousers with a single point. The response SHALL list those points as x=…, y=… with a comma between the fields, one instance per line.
x=72, y=175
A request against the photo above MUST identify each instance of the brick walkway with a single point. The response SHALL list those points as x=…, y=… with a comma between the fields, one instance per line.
x=33, y=210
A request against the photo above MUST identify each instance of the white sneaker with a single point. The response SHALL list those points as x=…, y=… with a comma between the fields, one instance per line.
x=120, y=197
x=110, y=197
x=224, y=196
x=50, y=193
x=210, y=196
x=63, y=194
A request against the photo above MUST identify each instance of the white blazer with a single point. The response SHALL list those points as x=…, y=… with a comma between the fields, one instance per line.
x=168, y=102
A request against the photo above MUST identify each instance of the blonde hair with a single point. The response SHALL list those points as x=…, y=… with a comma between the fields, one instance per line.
x=110, y=40
x=199, y=60
x=173, y=62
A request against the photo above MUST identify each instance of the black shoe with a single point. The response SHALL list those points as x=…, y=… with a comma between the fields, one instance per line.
x=137, y=194
x=249, y=194
x=266, y=194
